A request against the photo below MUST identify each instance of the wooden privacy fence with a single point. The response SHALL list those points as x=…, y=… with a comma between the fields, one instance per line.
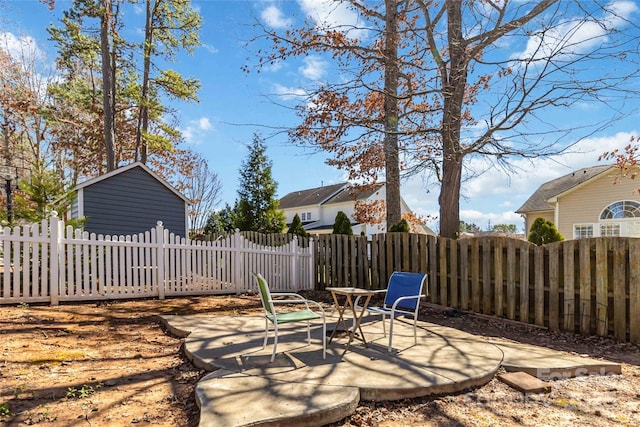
x=589, y=286
x=47, y=263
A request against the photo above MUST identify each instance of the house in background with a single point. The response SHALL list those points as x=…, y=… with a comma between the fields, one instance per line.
x=318, y=207
x=587, y=203
x=130, y=200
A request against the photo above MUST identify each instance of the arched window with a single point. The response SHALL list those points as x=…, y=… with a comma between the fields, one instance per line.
x=622, y=209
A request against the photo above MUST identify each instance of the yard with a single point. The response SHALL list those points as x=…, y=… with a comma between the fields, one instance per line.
x=112, y=364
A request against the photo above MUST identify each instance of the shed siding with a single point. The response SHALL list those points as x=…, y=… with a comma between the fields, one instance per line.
x=585, y=204
x=132, y=202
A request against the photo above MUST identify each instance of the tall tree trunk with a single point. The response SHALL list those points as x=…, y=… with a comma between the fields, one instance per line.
x=453, y=93
x=391, y=156
x=107, y=86
x=143, y=119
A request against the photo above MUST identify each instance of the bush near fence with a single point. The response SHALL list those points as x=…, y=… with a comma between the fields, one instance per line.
x=588, y=286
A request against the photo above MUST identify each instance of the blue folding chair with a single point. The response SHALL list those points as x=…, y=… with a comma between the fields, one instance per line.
x=402, y=297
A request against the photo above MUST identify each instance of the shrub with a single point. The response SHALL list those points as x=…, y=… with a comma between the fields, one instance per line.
x=342, y=225
x=401, y=227
x=296, y=227
x=543, y=231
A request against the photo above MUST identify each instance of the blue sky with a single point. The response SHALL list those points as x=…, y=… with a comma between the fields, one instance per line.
x=233, y=105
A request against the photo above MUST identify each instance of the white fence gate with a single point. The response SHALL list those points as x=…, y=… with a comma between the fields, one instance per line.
x=47, y=263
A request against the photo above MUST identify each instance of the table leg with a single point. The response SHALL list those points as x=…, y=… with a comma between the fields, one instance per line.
x=341, y=309
x=357, y=319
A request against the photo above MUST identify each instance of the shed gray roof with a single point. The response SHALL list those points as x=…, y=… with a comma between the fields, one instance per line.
x=122, y=169
x=538, y=200
x=312, y=196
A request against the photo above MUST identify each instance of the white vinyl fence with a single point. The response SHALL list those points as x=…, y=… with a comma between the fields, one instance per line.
x=47, y=263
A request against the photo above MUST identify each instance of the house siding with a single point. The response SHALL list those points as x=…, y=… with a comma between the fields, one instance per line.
x=132, y=202
x=585, y=204
x=531, y=217
x=290, y=213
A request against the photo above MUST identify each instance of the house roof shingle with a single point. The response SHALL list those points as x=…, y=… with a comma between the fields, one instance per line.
x=337, y=193
x=538, y=200
x=349, y=194
x=312, y=196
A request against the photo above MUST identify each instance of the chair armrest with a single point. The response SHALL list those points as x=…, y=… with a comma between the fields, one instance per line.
x=299, y=299
x=395, y=303
x=377, y=291
x=317, y=304
x=287, y=294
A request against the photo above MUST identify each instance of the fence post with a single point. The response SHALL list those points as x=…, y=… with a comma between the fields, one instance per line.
x=294, y=262
x=160, y=259
x=312, y=264
x=54, y=263
x=237, y=267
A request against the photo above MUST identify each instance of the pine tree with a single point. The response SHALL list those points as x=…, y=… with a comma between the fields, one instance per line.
x=257, y=207
x=296, y=227
x=342, y=225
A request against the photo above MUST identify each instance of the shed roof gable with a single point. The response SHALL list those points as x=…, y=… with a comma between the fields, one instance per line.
x=125, y=169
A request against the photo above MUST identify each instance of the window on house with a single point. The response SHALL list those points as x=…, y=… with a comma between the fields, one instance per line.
x=621, y=209
x=582, y=231
x=308, y=216
x=302, y=216
x=609, y=230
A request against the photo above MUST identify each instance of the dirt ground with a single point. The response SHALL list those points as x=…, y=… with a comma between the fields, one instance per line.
x=112, y=364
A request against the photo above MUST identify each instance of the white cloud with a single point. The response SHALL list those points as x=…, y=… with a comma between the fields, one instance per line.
x=314, y=68
x=288, y=93
x=20, y=47
x=196, y=130
x=274, y=17
x=575, y=36
x=204, y=123
x=211, y=49
x=329, y=14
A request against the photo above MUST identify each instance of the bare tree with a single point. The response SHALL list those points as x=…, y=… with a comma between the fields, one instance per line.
x=475, y=79
x=203, y=189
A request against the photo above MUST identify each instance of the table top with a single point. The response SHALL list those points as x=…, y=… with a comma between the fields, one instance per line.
x=351, y=291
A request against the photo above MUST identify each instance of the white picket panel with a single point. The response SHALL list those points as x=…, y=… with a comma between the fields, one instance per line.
x=49, y=263
x=24, y=267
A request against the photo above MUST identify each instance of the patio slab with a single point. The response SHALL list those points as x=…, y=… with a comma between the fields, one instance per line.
x=299, y=388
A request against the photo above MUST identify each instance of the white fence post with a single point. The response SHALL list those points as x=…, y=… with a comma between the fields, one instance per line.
x=294, y=263
x=237, y=257
x=160, y=259
x=311, y=264
x=55, y=234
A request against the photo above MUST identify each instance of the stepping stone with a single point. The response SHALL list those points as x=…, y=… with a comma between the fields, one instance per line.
x=524, y=382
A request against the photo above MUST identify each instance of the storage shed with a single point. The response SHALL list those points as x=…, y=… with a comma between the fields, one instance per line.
x=130, y=200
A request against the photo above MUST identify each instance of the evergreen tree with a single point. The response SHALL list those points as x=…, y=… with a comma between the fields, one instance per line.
x=342, y=225
x=257, y=207
x=42, y=193
x=220, y=221
x=543, y=231
x=296, y=227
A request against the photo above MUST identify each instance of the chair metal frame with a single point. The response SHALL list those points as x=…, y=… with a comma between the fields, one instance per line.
x=401, y=298
x=291, y=316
